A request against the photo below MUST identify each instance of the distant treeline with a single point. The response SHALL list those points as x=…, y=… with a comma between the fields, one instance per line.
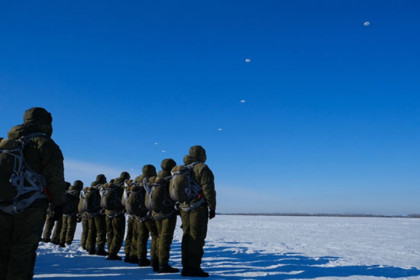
x=322, y=215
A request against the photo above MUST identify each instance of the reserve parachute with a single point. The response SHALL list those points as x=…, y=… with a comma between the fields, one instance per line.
x=20, y=185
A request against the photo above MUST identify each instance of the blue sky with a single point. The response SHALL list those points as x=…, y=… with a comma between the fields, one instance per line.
x=302, y=106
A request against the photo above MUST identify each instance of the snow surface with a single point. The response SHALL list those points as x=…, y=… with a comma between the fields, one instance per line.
x=267, y=247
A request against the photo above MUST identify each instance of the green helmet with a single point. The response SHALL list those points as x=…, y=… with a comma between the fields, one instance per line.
x=198, y=153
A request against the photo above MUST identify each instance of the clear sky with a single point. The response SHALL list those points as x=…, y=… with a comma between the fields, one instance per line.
x=303, y=106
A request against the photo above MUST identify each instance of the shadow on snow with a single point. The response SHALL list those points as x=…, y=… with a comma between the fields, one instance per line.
x=230, y=261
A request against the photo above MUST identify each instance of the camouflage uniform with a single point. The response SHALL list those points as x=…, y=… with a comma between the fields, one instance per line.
x=146, y=226
x=20, y=233
x=165, y=219
x=194, y=222
x=96, y=223
x=115, y=221
x=69, y=221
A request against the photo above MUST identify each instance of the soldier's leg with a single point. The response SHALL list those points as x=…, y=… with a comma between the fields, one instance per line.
x=6, y=229
x=71, y=229
x=166, y=235
x=198, y=233
x=57, y=230
x=85, y=230
x=91, y=238
x=101, y=233
x=109, y=232
x=133, y=250
x=25, y=238
x=119, y=231
x=128, y=239
x=151, y=226
x=142, y=238
x=64, y=229
x=186, y=239
x=49, y=224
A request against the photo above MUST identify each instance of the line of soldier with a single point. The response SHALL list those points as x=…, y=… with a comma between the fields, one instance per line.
x=106, y=224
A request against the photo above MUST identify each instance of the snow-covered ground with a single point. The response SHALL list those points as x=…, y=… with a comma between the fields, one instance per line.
x=265, y=247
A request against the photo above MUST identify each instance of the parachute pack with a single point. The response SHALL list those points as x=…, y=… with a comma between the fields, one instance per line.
x=71, y=204
x=111, y=198
x=20, y=186
x=133, y=199
x=90, y=200
x=157, y=198
x=182, y=187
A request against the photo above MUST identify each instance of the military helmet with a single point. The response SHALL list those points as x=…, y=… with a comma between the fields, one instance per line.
x=125, y=175
x=167, y=164
x=198, y=153
x=78, y=185
x=149, y=170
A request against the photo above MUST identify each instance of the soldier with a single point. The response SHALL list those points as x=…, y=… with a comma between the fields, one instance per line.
x=195, y=215
x=115, y=218
x=165, y=217
x=83, y=217
x=21, y=231
x=51, y=224
x=130, y=245
x=69, y=213
x=96, y=218
x=146, y=225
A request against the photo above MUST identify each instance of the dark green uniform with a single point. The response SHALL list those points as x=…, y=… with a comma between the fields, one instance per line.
x=20, y=233
x=165, y=219
x=146, y=226
x=69, y=221
x=115, y=219
x=194, y=222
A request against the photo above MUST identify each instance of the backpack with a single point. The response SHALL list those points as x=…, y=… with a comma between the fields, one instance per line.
x=72, y=201
x=90, y=200
x=135, y=201
x=111, y=198
x=182, y=187
x=157, y=196
x=20, y=185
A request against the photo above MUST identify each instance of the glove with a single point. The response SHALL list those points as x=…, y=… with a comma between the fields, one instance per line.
x=212, y=214
x=58, y=213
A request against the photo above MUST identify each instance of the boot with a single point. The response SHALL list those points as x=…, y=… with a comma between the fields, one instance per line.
x=62, y=245
x=166, y=268
x=133, y=259
x=102, y=253
x=46, y=240
x=155, y=264
x=114, y=257
x=127, y=259
x=144, y=262
x=194, y=272
x=92, y=251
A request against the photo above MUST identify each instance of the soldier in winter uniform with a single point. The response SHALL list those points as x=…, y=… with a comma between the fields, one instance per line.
x=130, y=246
x=194, y=221
x=51, y=224
x=146, y=225
x=165, y=218
x=115, y=218
x=96, y=220
x=69, y=221
x=21, y=232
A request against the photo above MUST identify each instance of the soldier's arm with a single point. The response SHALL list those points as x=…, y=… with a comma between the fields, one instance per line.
x=207, y=183
x=53, y=171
